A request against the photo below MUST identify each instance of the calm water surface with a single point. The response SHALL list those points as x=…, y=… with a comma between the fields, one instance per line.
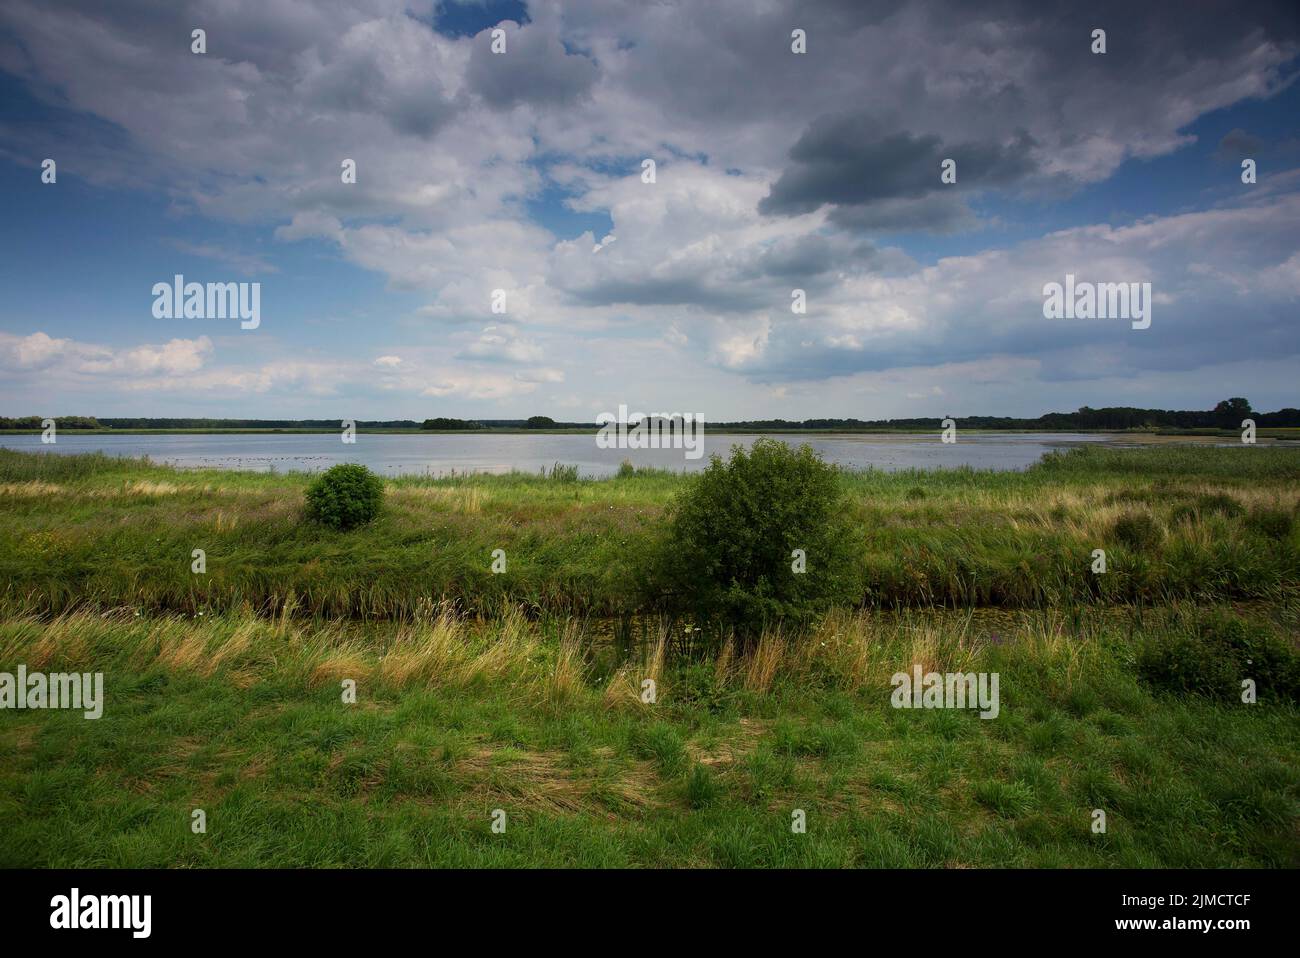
x=439, y=455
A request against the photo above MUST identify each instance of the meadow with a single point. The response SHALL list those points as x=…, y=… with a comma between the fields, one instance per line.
x=1176, y=522
x=522, y=692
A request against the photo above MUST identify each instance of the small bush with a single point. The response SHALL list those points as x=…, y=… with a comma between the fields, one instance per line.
x=1137, y=530
x=697, y=685
x=734, y=531
x=345, y=496
x=562, y=473
x=626, y=470
x=1271, y=523
x=1212, y=656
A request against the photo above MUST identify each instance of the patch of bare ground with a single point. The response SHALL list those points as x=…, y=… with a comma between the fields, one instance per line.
x=721, y=755
x=179, y=764
x=548, y=782
x=544, y=781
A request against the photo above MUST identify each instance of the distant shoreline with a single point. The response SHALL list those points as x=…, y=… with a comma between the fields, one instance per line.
x=1138, y=435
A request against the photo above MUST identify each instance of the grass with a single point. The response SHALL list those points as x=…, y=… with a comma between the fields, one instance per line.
x=526, y=692
x=105, y=532
x=243, y=718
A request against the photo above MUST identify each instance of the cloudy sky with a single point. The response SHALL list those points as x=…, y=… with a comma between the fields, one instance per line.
x=522, y=171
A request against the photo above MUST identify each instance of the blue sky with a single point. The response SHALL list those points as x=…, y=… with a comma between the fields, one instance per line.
x=521, y=172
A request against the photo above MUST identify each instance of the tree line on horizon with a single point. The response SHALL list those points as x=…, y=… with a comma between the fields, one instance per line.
x=1228, y=414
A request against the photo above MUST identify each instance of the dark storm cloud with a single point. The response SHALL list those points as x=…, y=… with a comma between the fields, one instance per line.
x=1031, y=93
x=852, y=161
x=936, y=213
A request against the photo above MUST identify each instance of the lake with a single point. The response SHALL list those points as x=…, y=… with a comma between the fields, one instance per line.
x=441, y=454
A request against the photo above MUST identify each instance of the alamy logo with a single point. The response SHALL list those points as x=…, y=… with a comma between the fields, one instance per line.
x=181, y=300
x=657, y=430
x=57, y=690
x=946, y=690
x=1098, y=301
x=103, y=911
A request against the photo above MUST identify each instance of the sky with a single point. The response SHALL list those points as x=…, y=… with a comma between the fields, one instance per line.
x=518, y=179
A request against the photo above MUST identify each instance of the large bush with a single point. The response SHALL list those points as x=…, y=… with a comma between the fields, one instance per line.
x=345, y=496
x=735, y=529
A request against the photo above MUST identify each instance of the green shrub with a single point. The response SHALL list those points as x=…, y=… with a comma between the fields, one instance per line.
x=734, y=530
x=1214, y=653
x=1271, y=523
x=345, y=496
x=1137, y=530
x=562, y=473
x=696, y=684
x=626, y=470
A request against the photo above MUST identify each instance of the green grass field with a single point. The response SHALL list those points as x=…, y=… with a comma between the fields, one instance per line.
x=91, y=529
x=522, y=692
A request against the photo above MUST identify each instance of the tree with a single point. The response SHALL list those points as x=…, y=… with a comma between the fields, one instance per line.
x=541, y=422
x=443, y=423
x=1229, y=413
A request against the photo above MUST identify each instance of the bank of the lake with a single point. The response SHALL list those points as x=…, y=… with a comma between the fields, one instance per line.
x=97, y=529
x=392, y=453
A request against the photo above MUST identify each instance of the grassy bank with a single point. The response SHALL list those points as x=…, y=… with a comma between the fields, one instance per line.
x=523, y=692
x=1175, y=522
x=243, y=718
